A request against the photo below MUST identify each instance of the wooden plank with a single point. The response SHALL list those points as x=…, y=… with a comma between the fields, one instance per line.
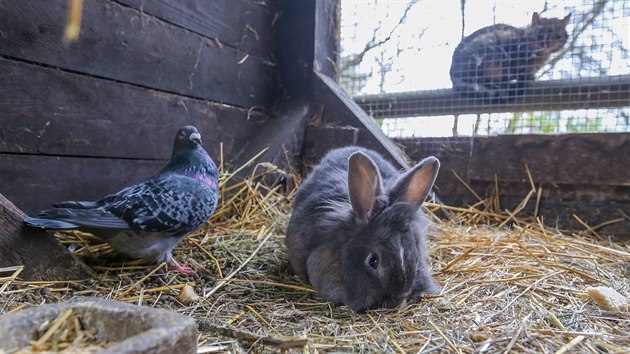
x=124, y=44
x=34, y=182
x=597, y=159
x=42, y=257
x=560, y=213
x=476, y=161
x=581, y=93
x=320, y=140
x=241, y=24
x=454, y=156
x=593, y=204
x=576, y=193
x=47, y=111
x=593, y=198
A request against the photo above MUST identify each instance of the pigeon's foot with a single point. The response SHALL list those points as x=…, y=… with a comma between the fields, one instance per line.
x=182, y=268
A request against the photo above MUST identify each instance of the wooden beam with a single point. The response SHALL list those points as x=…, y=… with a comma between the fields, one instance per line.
x=580, y=93
x=571, y=159
x=335, y=106
x=42, y=257
x=307, y=47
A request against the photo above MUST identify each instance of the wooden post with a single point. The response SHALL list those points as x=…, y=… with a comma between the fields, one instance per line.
x=41, y=255
x=307, y=48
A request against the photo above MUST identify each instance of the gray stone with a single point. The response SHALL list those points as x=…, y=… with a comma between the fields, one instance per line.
x=134, y=329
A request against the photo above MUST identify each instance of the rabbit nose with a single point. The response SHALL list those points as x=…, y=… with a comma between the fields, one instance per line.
x=403, y=279
x=402, y=260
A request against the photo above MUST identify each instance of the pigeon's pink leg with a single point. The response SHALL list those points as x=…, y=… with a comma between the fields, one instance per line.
x=182, y=268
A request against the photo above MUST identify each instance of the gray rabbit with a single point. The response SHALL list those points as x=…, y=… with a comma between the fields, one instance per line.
x=357, y=233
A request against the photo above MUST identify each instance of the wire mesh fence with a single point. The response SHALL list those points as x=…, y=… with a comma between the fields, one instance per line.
x=465, y=68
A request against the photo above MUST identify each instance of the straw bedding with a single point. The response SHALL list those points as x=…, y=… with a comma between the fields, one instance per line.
x=510, y=285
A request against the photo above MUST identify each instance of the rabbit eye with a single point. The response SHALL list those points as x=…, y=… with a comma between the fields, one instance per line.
x=373, y=261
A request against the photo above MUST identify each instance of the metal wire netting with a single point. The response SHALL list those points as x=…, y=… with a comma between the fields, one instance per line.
x=465, y=68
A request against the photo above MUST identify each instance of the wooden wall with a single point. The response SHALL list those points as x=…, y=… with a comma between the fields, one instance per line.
x=82, y=119
x=579, y=174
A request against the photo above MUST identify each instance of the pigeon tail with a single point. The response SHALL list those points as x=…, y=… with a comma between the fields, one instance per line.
x=49, y=224
x=87, y=218
x=73, y=204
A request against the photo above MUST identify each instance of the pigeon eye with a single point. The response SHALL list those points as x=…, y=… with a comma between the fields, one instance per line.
x=373, y=261
x=182, y=134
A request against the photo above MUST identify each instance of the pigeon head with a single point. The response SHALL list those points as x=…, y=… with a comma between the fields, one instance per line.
x=187, y=137
x=188, y=154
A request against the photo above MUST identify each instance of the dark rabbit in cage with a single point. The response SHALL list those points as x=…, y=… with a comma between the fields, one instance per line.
x=497, y=62
x=357, y=233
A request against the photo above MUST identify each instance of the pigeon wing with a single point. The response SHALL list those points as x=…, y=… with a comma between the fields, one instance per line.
x=171, y=203
x=67, y=218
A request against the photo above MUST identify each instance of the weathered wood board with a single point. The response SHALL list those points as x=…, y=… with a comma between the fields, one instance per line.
x=319, y=140
x=52, y=112
x=564, y=159
x=581, y=174
x=50, y=118
x=241, y=24
x=124, y=44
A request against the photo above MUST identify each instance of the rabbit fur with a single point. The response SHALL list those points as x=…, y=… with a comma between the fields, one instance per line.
x=357, y=233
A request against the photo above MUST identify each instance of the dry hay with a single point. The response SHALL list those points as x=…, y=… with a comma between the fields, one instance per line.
x=510, y=284
x=65, y=334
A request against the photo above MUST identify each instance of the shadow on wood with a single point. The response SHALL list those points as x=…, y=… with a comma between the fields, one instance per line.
x=282, y=136
x=41, y=255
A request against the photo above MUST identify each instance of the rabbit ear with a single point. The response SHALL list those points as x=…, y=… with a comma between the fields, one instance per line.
x=414, y=186
x=364, y=185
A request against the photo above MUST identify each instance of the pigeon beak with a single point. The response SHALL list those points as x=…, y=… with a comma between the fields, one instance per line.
x=195, y=138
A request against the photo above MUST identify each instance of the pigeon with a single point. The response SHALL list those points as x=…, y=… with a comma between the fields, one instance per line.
x=147, y=219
